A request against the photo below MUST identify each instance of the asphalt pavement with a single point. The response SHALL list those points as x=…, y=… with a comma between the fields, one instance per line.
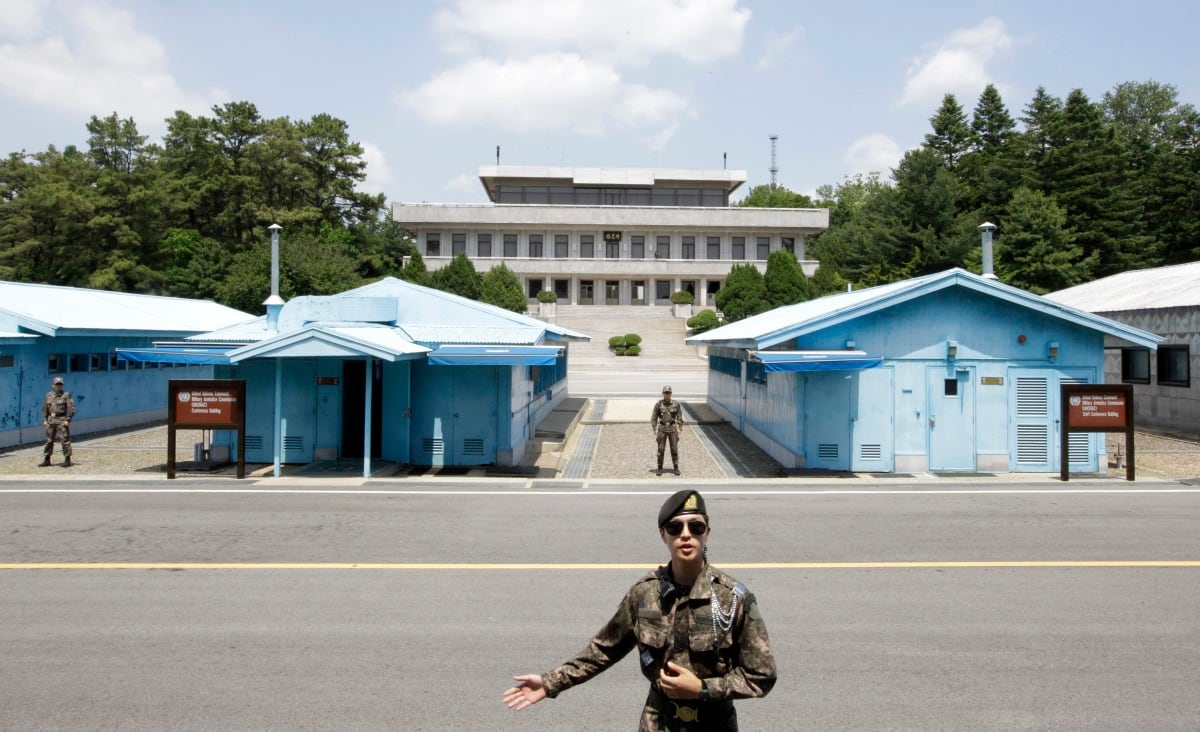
x=408, y=604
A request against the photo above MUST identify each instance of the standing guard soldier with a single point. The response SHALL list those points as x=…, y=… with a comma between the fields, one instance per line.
x=699, y=634
x=58, y=409
x=666, y=422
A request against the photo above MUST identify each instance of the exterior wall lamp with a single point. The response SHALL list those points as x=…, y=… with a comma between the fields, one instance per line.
x=951, y=350
x=849, y=344
x=1052, y=351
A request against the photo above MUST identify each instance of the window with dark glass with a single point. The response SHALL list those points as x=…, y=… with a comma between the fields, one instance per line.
x=764, y=247
x=116, y=363
x=484, y=242
x=80, y=362
x=560, y=246
x=1135, y=365
x=587, y=246
x=510, y=245
x=612, y=249
x=587, y=196
x=713, y=197
x=637, y=197
x=1173, y=366
x=510, y=194
x=662, y=247
x=637, y=247
x=535, y=245
x=689, y=247
x=714, y=247
x=788, y=244
x=562, y=289
x=662, y=197
x=562, y=195
x=537, y=194
x=687, y=197
x=433, y=245
x=458, y=244
x=99, y=362
x=739, y=247
x=534, y=287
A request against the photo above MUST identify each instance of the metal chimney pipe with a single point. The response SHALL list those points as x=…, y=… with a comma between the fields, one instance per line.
x=986, y=229
x=274, y=303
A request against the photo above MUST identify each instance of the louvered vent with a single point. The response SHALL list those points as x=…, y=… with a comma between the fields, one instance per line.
x=293, y=443
x=1032, y=397
x=432, y=446
x=472, y=446
x=1077, y=448
x=827, y=451
x=254, y=442
x=1033, y=444
x=870, y=452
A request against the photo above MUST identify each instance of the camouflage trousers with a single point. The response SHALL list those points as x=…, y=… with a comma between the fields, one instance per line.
x=63, y=433
x=686, y=715
x=663, y=438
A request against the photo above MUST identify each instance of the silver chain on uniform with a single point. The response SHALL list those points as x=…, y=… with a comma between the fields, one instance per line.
x=722, y=621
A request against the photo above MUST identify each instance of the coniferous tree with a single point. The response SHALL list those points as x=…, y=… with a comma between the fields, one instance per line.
x=458, y=277
x=501, y=287
x=415, y=272
x=951, y=137
x=1036, y=248
x=744, y=293
x=785, y=280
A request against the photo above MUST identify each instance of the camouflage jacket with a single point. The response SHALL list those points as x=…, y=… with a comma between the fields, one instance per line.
x=663, y=625
x=666, y=417
x=58, y=407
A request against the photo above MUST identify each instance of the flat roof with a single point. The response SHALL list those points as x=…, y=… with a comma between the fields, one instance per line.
x=491, y=175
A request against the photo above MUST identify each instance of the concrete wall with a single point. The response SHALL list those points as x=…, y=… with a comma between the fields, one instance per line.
x=1169, y=409
x=104, y=398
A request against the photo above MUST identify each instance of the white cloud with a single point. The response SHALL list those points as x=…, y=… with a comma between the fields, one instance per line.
x=463, y=183
x=91, y=59
x=379, y=175
x=876, y=153
x=547, y=92
x=776, y=46
x=957, y=64
x=619, y=31
x=658, y=142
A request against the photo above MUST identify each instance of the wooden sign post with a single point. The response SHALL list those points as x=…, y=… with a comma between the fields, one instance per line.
x=206, y=404
x=1097, y=408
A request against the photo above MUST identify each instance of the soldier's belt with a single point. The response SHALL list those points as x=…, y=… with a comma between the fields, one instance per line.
x=692, y=710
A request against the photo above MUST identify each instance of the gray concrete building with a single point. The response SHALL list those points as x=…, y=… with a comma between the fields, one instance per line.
x=610, y=236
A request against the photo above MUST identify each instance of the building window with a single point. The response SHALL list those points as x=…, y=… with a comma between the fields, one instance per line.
x=689, y=247
x=714, y=247
x=535, y=286
x=560, y=246
x=739, y=247
x=662, y=248
x=788, y=244
x=764, y=247
x=637, y=247
x=510, y=194
x=80, y=362
x=484, y=242
x=662, y=197
x=537, y=194
x=1173, y=366
x=637, y=197
x=713, y=197
x=562, y=195
x=99, y=362
x=1135, y=365
x=688, y=197
x=535, y=245
x=587, y=196
x=562, y=289
x=7, y=361
x=433, y=245
x=612, y=249
x=587, y=246
x=510, y=245
x=458, y=244
x=116, y=363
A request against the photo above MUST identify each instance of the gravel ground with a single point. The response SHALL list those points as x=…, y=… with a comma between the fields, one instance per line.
x=623, y=451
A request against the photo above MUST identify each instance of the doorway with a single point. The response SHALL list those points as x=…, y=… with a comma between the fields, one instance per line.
x=354, y=393
x=951, y=425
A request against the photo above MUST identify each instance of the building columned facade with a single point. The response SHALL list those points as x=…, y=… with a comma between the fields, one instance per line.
x=610, y=236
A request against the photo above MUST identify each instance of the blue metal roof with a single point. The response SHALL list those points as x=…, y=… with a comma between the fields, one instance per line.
x=495, y=356
x=816, y=360
x=177, y=354
x=792, y=321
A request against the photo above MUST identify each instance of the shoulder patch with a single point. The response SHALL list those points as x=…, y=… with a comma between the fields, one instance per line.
x=754, y=612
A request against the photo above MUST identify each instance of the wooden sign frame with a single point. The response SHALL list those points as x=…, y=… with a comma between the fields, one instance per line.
x=1096, y=408
x=221, y=406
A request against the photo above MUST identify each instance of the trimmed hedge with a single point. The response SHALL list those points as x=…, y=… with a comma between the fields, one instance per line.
x=632, y=339
x=683, y=297
x=547, y=296
x=616, y=342
x=703, y=320
x=633, y=350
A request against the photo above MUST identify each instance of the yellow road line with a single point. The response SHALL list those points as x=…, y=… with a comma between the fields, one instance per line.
x=449, y=566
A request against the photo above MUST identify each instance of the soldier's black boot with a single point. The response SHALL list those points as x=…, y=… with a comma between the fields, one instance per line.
x=675, y=468
x=67, y=464
x=659, y=471
x=45, y=462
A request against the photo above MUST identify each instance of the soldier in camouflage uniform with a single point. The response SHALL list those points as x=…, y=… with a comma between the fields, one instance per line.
x=666, y=421
x=699, y=634
x=58, y=409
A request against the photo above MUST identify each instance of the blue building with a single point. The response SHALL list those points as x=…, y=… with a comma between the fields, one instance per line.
x=391, y=370
x=48, y=331
x=947, y=372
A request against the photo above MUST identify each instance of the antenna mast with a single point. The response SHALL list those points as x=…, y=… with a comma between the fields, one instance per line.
x=774, y=167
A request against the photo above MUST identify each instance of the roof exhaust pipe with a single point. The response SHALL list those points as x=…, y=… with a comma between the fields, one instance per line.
x=274, y=303
x=986, y=229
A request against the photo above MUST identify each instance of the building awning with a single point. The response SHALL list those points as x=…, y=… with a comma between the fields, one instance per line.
x=495, y=355
x=816, y=360
x=177, y=354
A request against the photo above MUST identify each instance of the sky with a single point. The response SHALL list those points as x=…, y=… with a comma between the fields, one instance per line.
x=430, y=89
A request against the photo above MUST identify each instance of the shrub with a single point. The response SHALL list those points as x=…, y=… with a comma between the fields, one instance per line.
x=616, y=342
x=704, y=320
x=683, y=297
x=632, y=339
x=633, y=350
x=620, y=350
x=547, y=296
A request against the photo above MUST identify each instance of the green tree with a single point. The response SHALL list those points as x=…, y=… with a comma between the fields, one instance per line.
x=994, y=166
x=774, y=196
x=1036, y=249
x=458, y=277
x=501, y=287
x=414, y=271
x=744, y=293
x=952, y=136
x=827, y=281
x=785, y=280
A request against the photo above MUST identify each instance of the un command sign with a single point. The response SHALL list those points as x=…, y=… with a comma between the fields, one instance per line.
x=1096, y=408
x=206, y=404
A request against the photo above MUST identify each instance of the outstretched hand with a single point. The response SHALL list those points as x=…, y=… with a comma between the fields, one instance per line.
x=526, y=693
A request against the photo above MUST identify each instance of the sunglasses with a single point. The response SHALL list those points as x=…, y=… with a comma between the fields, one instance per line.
x=695, y=527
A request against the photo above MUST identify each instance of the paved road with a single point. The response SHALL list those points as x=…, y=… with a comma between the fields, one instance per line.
x=889, y=644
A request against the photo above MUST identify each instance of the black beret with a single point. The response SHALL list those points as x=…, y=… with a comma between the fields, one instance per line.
x=686, y=501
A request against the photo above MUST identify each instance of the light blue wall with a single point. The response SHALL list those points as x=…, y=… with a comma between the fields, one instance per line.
x=104, y=399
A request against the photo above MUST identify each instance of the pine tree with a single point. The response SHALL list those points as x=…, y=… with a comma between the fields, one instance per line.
x=785, y=280
x=1036, y=249
x=951, y=137
x=458, y=277
x=414, y=271
x=501, y=287
x=744, y=293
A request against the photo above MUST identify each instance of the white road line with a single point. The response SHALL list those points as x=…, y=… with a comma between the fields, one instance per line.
x=583, y=493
